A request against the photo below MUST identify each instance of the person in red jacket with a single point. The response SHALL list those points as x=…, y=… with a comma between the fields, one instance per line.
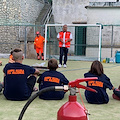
x=64, y=37
x=39, y=45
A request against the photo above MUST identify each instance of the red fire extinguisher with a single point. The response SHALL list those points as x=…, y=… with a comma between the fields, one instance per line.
x=72, y=110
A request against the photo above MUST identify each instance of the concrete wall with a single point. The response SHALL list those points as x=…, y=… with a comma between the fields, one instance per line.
x=68, y=11
x=30, y=9
x=64, y=11
x=106, y=13
x=16, y=12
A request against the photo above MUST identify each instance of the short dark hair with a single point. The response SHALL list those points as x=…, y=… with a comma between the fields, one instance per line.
x=17, y=54
x=97, y=68
x=52, y=64
x=11, y=52
x=17, y=50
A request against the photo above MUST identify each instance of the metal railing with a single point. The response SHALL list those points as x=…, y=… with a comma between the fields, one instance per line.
x=47, y=16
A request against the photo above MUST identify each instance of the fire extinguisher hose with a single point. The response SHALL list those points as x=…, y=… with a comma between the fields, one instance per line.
x=52, y=88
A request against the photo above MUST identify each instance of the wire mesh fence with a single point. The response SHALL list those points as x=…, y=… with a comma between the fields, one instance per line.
x=84, y=45
x=110, y=40
x=19, y=36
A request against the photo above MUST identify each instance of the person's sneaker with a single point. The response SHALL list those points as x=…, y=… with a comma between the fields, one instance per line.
x=42, y=58
x=38, y=57
x=64, y=65
x=59, y=65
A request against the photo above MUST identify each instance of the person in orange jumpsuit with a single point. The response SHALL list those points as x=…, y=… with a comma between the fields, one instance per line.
x=39, y=45
x=11, y=58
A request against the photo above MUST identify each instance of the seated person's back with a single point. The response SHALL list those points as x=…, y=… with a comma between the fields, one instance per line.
x=17, y=85
x=100, y=85
x=52, y=78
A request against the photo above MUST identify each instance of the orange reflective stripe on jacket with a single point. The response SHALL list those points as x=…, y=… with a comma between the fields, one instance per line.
x=17, y=71
x=52, y=79
x=95, y=83
x=67, y=36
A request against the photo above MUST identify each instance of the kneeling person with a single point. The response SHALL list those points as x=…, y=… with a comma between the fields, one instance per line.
x=52, y=78
x=19, y=79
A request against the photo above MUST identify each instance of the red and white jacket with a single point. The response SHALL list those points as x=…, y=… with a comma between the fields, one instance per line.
x=67, y=36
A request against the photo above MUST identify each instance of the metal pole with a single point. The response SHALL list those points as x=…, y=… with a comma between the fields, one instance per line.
x=25, y=42
x=34, y=31
x=112, y=41
x=100, y=40
x=91, y=25
x=45, y=42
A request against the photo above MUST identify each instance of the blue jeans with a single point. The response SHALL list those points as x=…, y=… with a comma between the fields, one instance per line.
x=63, y=51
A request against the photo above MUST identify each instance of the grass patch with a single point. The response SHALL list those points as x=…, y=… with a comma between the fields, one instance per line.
x=43, y=109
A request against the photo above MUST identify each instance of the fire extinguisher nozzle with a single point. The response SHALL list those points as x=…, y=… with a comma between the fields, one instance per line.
x=61, y=88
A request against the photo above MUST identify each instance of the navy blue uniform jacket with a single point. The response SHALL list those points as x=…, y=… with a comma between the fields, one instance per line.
x=15, y=81
x=100, y=85
x=52, y=78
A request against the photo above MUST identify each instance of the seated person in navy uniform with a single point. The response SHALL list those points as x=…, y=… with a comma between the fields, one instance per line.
x=100, y=85
x=19, y=79
x=52, y=78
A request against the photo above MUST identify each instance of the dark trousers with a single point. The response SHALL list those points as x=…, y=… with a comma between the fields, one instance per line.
x=31, y=82
x=63, y=51
x=1, y=86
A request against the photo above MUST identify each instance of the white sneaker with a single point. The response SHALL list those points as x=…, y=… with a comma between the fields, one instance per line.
x=65, y=66
x=59, y=65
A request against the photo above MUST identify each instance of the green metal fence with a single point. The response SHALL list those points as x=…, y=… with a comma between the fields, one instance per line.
x=22, y=36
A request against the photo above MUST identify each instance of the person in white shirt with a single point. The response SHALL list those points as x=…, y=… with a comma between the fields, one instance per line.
x=64, y=37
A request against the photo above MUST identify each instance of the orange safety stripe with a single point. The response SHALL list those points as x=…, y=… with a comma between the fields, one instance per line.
x=52, y=79
x=15, y=71
x=95, y=83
